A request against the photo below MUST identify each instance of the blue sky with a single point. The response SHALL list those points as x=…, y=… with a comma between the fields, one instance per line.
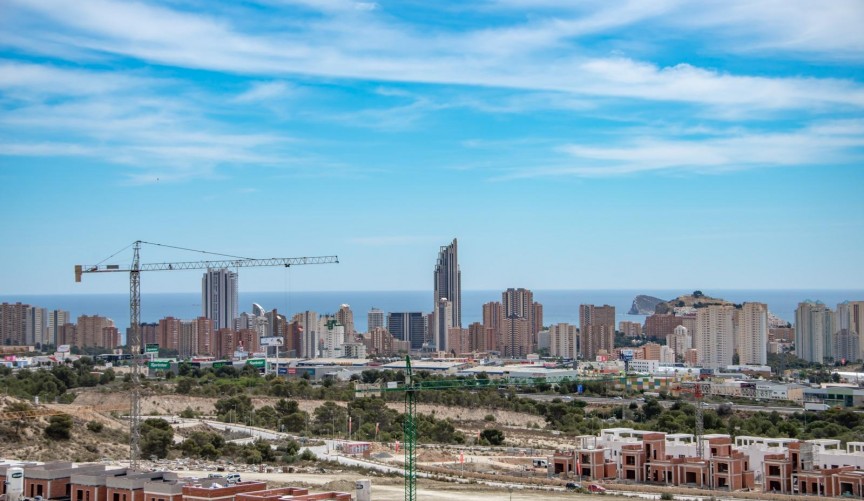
x=583, y=145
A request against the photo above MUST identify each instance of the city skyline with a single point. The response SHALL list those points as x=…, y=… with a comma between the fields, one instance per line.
x=706, y=145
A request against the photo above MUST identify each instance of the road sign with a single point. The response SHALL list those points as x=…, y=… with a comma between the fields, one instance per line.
x=151, y=348
x=272, y=341
x=159, y=364
x=579, y=389
x=283, y=370
x=256, y=362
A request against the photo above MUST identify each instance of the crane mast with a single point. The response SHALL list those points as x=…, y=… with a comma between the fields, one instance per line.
x=134, y=340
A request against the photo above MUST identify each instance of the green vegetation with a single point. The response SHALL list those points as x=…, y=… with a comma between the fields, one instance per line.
x=53, y=384
x=59, y=427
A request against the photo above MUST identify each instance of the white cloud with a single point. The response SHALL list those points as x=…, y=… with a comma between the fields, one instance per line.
x=829, y=143
x=537, y=55
x=264, y=91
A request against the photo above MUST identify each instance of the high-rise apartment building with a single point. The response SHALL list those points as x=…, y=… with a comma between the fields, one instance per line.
x=715, y=335
x=493, y=317
x=374, y=319
x=680, y=341
x=13, y=324
x=56, y=319
x=37, y=323
x=448, y=283
x=596, y=330
x=168, y=333
x=206, y=336
x=96, y=330
x=846, y=345
x=459, y=341
x=519, y=303
x=814, y=326
x=346, y=317
x=188, y=338
x=332, y=335
x=515, y=337
x=630, y=329
x=658, y=326
x=408, y=326
x=563, y=341
x=751, y=336
x=307, y=324
x=442, y=322
x=483, y=338
x=219, y=297
x=850, y=316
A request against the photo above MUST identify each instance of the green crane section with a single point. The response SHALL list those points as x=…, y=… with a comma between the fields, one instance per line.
x=412, y=386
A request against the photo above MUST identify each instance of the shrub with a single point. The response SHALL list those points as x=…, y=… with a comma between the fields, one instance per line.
x=95, y=426
x=59, y=427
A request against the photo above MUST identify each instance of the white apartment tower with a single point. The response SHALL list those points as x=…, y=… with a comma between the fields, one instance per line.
x=814, y=326
x=448, y=282
x=442, y=320
x=714, y=339
x=563, y=341
x=219, y=298
x=752, y=334
x=680, y=341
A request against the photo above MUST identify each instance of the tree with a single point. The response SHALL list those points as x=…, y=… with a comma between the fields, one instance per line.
x=330, y=418
x=59, y=427
x=492, y=436
x=156, y=436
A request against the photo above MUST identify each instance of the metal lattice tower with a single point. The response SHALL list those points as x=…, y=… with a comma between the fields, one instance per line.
x=134, y=340
x=409, y=427
x=135, y=345
x=700, y=423
x=412, y=387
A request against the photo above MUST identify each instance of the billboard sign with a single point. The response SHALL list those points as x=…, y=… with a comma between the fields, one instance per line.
x=256, y=362
x=151, y=348
x=627, y=355
x=63, y=348
x=283, y=370
x=272, y=341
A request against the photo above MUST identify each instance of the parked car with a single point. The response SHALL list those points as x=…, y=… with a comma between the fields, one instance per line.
x=572, y=486
x=233, y=478
x=596, y=488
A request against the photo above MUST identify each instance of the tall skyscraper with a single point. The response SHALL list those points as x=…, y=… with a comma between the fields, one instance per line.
x=56, y=320
x=448, y=282
x=563, y=341
x=37, y=323
x=442, y=322
x=850, y=316
x=515, y=337
x=307, y=324
x=13, y=323
x=596, y=330
x=814, y=326
x=715, y=335
x=751, y=336
x=219, y=298
x=519, y=303
x=374, y=319
x=493, y=317
x=408, y=326
x=346, y=317
x=96, y=331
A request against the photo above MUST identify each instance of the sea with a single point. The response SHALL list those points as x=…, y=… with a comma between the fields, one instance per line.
x=558, y=305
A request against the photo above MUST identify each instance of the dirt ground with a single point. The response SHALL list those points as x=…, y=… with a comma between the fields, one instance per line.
x=392, y=488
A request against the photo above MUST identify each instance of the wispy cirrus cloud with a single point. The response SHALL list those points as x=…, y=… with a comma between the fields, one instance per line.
x=830, y=143
x=533, y=55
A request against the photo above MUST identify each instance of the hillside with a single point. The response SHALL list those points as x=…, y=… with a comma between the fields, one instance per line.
x=695, y=300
